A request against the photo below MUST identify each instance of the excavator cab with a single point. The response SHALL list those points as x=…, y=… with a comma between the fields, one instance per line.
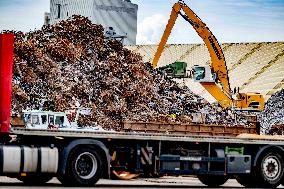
x=203, y=74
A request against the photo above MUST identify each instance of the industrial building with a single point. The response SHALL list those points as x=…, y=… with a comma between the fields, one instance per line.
x=119, y=17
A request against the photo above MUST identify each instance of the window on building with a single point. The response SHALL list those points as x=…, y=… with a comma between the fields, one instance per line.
x=58, y=10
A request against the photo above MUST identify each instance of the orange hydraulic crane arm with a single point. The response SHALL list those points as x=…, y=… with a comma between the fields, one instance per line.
x=218, y=63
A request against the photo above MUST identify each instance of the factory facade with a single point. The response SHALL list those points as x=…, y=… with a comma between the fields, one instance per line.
x=119, y=17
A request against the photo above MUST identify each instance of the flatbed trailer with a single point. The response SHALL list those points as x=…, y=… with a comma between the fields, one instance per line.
x=82, y=157
x=113, y=135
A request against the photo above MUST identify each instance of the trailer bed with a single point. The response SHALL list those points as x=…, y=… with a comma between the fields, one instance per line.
x=250, y=139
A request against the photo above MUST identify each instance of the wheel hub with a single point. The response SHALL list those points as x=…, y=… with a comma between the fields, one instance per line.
x=86, y=165
x=271, y=167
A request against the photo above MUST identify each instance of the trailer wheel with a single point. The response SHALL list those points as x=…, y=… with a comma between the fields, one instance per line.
x=213, y=180
x=246, y=180
x=269, y=170
x=84, y=168
x=35, y=180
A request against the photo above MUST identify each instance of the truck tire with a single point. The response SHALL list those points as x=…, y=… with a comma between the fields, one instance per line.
x=246, y=180
x=212, y=180
x=35, y=180
x=84, y=167
x=269, y=170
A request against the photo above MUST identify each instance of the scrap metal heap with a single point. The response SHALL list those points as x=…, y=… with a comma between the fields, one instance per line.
x=71, y=64
x=272, y=118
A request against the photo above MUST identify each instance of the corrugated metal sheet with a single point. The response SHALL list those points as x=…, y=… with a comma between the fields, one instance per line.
x=119, y=14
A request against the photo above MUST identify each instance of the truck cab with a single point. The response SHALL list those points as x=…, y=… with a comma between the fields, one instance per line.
x=36, y=119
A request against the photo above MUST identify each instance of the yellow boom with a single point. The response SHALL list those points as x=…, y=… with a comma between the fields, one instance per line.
x=218, y=84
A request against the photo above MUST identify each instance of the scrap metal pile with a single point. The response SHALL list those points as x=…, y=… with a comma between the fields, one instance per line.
x=273, y=114
x=71, y=64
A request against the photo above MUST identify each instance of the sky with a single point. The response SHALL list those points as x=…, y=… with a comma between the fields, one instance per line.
x=229, y=20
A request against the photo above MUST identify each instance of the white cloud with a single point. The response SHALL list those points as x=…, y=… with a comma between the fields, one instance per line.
x=151, y=29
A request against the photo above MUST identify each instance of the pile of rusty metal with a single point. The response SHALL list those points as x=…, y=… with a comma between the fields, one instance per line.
x=71, y=64
x=276, y=129
x=273, y=113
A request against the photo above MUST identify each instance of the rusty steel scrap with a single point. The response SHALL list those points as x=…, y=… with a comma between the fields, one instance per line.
x=70, y=64
x=272, y=118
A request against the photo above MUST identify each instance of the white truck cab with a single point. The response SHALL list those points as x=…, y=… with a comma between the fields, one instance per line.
x=36, y=119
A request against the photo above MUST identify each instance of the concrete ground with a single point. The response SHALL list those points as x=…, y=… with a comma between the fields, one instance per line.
x=164, y=182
